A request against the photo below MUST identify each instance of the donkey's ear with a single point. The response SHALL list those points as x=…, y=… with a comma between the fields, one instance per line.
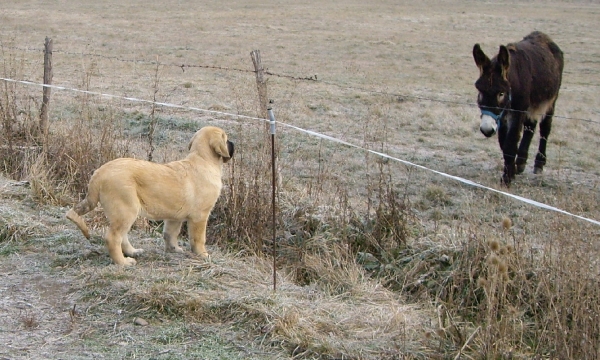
x=481, y=59
x=504, y=61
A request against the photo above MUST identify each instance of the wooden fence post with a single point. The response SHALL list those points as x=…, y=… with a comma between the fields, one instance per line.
x=261, y=84
x=43, y=126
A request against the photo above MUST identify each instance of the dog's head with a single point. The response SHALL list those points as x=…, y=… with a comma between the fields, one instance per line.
x=213, y=140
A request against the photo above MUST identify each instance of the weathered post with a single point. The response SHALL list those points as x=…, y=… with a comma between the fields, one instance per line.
x=261, y=84
x=44, y=125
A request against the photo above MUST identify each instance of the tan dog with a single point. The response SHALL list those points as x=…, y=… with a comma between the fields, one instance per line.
x=179, y=191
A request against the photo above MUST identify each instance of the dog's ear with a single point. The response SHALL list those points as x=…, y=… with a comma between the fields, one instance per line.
x=218, y=142
x=192, y=142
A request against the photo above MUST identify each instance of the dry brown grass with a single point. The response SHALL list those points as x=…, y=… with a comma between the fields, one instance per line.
x=376, y=260
x=305, y=321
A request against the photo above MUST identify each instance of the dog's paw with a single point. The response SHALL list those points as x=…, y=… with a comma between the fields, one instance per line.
x=174, y=249
x=205, y=256
x=202, y=255
x=129, y=262
x=134, y=252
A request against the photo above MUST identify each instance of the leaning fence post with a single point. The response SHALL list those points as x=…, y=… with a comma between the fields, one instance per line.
x=261, y=84
x=273, y=195
x=43, y=126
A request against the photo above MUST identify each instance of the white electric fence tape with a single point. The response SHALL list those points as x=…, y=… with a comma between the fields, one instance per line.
x=322, y=136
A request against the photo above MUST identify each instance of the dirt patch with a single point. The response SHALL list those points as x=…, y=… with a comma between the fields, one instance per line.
x=35, y=308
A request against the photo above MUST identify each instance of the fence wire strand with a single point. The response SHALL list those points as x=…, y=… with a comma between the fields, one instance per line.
x=310, y=78
x=322, y=136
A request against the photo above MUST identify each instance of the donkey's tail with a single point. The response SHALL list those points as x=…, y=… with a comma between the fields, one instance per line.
x=88, y=204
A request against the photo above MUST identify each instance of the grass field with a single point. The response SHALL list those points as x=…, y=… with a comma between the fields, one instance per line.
x=377, y=259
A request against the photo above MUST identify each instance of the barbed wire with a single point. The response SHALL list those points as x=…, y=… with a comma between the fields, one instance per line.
x=311, y=78
x=454, y=102
x=2, y=46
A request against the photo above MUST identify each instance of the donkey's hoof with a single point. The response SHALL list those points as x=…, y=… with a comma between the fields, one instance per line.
x=520, y=168
x=538, y=170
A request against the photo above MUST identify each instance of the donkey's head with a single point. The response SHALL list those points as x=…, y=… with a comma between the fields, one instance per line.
x=494, y=89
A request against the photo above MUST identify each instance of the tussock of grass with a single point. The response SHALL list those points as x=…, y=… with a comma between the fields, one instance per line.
x=364, y=322
x=507, y=285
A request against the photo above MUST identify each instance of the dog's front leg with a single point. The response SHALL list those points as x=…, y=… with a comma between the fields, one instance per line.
x=197, y=233
x=170, y=233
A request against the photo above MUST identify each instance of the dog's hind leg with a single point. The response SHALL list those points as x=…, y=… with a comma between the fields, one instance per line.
x=128, y=249
x=117, y=241
x=171, y=229
x=197, y=233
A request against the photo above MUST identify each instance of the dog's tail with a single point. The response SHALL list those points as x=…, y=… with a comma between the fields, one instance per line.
x=88, y=204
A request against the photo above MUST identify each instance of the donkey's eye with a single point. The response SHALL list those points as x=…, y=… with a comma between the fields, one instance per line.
x=500, y=95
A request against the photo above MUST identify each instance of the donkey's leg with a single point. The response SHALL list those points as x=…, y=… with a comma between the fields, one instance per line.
x=509, y=148
x=502, y=132
x=528, y=131
x=545, y=127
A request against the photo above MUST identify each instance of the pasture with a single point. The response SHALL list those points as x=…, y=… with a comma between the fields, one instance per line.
x=377, y=258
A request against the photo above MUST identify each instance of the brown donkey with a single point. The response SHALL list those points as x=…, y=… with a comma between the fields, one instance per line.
x=517, y=89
